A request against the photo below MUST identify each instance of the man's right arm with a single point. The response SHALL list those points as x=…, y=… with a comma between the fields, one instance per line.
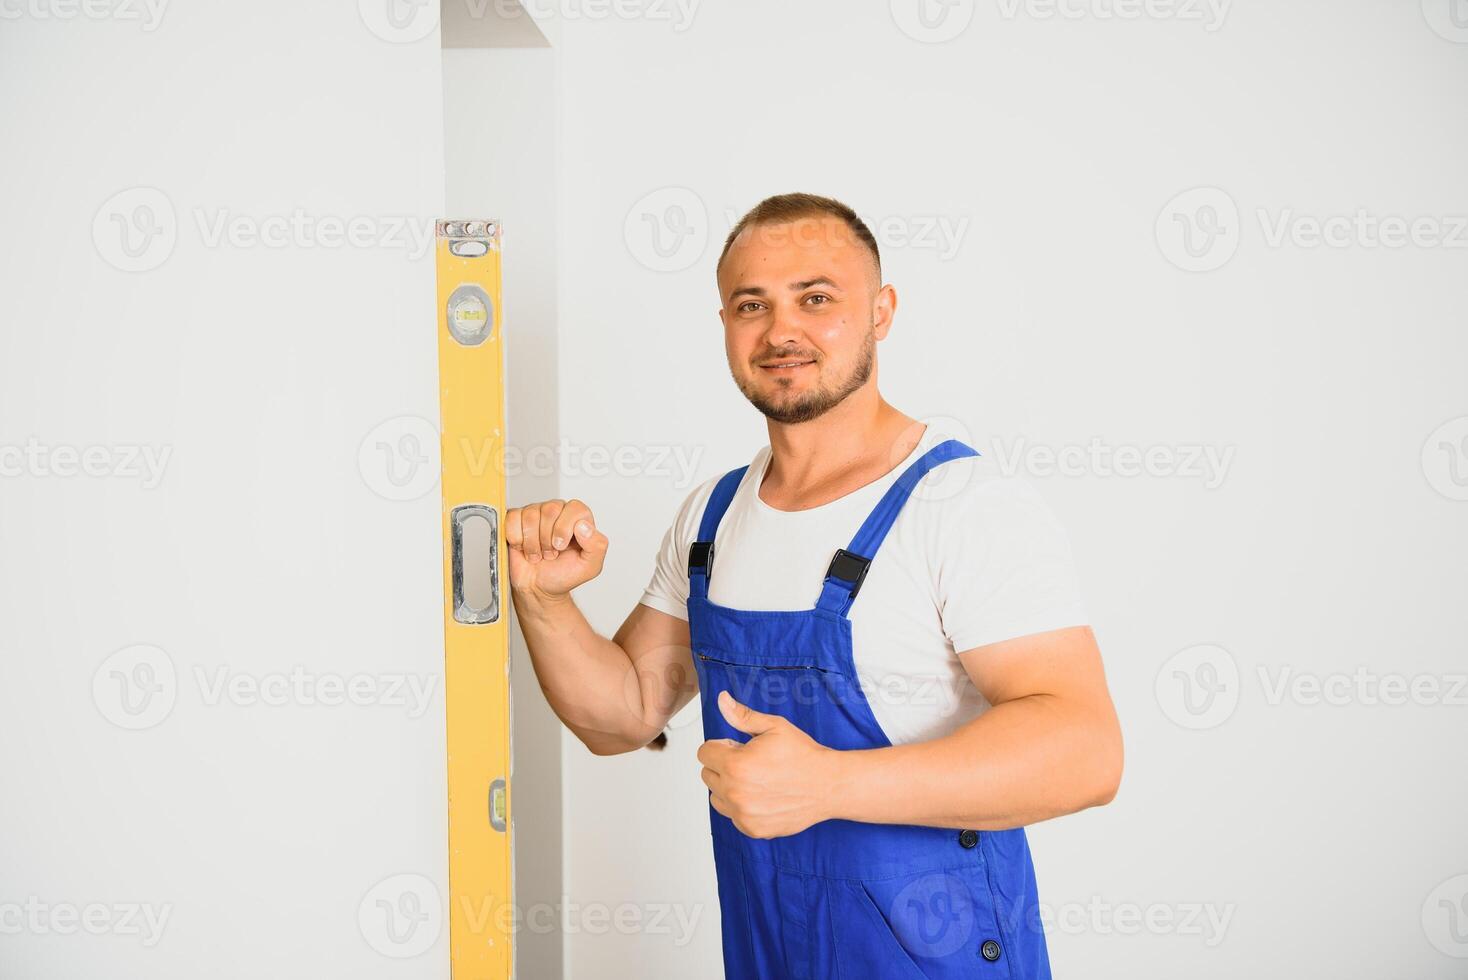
x=615, y=694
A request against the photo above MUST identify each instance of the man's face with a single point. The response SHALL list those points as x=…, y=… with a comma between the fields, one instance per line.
x=802, y=304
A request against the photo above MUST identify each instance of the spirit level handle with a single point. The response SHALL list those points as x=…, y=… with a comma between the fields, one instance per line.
x=475, y=560
x=498, y=805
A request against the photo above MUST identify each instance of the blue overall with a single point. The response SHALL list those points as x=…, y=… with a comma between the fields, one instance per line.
x=843, y=900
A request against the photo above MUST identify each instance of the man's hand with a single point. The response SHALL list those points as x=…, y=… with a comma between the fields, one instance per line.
x=554, y=546
x=774, y=785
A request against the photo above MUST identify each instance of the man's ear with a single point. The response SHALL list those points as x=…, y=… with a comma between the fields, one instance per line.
x=884, y=310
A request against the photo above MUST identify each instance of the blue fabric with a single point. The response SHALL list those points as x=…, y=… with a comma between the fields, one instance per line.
x=844, y=900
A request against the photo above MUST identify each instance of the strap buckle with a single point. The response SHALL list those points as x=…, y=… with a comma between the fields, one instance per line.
x=849, y=567
x=701, y=555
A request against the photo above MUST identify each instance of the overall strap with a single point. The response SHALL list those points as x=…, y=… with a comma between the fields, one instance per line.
x=849, y=566
x=701, y=552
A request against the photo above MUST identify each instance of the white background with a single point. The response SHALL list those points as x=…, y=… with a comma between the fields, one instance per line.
x=1059, y=313
x=261, y=829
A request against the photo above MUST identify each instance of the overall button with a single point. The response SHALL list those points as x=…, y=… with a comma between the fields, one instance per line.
x=968, y=838
x=990, y=951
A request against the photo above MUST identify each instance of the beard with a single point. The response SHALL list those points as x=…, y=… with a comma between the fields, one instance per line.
x=820, y=400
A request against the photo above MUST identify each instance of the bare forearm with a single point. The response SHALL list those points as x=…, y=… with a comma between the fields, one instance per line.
x=1018, y=763
x=588, y=679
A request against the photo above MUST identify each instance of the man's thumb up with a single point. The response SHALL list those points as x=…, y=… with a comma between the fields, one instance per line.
x=745, y=718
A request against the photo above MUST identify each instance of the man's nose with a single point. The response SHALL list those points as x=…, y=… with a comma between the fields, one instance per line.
x=784, y=328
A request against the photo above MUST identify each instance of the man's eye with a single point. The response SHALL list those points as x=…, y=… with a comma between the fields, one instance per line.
x=818, y=296
x=748, y=307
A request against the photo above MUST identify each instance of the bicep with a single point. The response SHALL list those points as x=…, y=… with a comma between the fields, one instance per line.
x=658, y=645
x=1063, y=663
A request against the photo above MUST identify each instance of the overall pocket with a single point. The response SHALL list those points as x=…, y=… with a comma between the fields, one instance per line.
x=866, y=947
x=795, y=690
x=942, y=921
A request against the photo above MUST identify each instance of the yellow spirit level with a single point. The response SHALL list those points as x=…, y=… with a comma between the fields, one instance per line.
x=476, y=634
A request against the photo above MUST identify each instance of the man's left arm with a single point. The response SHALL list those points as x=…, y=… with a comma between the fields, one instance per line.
x=1049, y=745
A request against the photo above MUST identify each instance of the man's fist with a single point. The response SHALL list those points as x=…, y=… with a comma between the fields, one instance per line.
x=554, y=546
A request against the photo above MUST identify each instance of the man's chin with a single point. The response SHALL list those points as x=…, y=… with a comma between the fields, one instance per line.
x=790, y=413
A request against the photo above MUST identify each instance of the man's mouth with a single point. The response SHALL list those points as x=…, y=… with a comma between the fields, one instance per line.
x=785, y=367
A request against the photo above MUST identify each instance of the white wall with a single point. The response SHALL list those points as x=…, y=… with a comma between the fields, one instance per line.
x=500, y=162
x=1320, y=832
x=265, y=545
x=283, y=388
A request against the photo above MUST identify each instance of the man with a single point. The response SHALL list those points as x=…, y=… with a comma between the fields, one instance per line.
x=896, y=672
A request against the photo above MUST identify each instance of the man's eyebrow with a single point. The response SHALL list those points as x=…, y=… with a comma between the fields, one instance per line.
x=818, y=281
x=794, y=287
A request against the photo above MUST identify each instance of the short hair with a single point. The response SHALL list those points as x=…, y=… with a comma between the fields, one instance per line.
x=785, y=208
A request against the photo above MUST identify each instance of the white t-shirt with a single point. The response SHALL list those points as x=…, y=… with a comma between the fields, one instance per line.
x=974, y=557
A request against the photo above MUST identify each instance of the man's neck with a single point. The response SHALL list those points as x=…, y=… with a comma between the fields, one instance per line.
x=856, y=443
